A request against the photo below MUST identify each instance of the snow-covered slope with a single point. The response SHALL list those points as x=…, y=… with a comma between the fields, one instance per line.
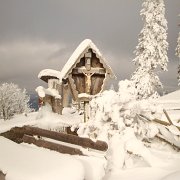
x=170, y=101
x=21, y=162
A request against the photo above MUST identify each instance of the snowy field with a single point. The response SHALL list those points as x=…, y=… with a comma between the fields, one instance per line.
x=28, y=162
x=23, y=161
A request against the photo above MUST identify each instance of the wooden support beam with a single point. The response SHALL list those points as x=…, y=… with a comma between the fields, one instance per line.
x=167, y=116
x=84, y=142
x=2, y=175
x=73, y=88
x=51, y=145
x=15, y=134
x=97, y=70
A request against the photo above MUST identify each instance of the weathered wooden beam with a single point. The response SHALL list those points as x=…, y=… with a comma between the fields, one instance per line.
x=15, y=134
x=167, y=116
x=161, y=122
x=84, y=142
x=51, y=145
x=2, y=175
x=160, y=137
x=82, y=70
x=158, y=121
x=73, y=88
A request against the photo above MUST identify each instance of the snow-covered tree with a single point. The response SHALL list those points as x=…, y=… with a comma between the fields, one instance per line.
x=147, y=83
x=178, y=46
x=151, y=51
x=13, y=100
x=178, y=54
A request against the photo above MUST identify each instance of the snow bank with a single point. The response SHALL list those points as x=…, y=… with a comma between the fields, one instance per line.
x=173, y=176
x=170, y=101
x=33, y=163
x=18, y=121
x=50, y=120
x=94, y=167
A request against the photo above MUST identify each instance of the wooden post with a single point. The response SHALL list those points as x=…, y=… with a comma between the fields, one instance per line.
x=86, y=111
x=2, y=175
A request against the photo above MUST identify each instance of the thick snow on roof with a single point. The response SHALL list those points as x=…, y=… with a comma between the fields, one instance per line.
x=85, y=45
x=49, y=72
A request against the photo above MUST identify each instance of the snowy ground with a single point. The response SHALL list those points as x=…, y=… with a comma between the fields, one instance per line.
x=43, y=119
x=23, y=161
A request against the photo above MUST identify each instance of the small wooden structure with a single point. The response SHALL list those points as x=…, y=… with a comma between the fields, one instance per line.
x=85, y=74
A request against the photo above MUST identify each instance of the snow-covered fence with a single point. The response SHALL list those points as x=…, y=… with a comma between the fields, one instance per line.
x=54, y=140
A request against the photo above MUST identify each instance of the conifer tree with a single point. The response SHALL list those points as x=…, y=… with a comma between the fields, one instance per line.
x=151, y=51
x=178, y=54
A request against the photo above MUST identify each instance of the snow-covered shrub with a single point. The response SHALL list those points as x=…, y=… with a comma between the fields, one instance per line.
x=13, y=100
x=118, y=119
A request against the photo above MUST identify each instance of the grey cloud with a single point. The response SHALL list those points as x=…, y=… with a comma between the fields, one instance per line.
x=112, y=25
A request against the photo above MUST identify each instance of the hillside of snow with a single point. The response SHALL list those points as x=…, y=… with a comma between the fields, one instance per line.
x=170, y=101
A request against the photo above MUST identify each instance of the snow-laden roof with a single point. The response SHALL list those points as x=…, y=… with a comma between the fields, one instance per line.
x=80, y=50
x=83, y=47
x=49, y=72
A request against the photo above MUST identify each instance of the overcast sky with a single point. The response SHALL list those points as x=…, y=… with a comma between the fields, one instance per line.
x=40, y=34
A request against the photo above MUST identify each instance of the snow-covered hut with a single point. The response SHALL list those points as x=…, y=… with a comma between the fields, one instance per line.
x=86, y=72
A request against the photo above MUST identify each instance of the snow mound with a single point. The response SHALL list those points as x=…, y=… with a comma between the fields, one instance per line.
x=30, y=162
x=174, y=96
x=173, y=176
x=170, y=101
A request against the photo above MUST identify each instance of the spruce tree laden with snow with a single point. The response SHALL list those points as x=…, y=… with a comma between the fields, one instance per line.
x=151, y=51
x=13, y=100
x=178, y=54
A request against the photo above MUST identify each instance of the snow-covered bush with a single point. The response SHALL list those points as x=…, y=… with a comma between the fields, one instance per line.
x=125, y=123
x=13, y=100
x=151, y=51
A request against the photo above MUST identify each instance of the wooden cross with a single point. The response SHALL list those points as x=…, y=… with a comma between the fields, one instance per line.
x=88, y=71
